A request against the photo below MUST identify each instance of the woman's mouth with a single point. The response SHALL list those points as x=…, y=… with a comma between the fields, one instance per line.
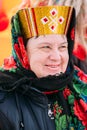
x=53, y=67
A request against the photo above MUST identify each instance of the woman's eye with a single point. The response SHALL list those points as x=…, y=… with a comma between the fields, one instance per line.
x=46, y=47
x=63, y=47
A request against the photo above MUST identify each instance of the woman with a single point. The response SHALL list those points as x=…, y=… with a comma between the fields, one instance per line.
x=39, y=87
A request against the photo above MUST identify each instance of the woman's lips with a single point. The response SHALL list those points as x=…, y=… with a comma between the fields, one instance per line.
x=53, y=67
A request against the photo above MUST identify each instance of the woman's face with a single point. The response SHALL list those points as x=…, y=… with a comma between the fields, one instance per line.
x=48, y=55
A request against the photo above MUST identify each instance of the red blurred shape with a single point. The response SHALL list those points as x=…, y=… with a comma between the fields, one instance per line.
x=80, y=52
x=4, y=21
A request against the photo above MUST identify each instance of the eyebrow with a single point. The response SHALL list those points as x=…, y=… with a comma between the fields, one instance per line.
x=64, y=42
x=51, y=44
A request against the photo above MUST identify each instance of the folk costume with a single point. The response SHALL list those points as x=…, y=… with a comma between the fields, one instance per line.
x=56, y=102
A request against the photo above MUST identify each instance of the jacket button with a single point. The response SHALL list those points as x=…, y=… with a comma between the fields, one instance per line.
x=21, y=124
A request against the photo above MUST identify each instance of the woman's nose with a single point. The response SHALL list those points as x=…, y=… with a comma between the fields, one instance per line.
x=55, y=55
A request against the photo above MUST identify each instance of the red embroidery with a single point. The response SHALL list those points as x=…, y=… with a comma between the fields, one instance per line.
x=9, y=63
x=21, y=53
x=80, y=110
x=81, y=74
x=66, y=92
x=50, y=92
x=57, y=109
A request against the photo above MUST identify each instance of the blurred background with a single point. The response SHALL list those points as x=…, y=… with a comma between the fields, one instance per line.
x=6, y=11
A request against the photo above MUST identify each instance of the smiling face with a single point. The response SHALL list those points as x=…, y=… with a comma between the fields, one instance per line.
x=48, y=55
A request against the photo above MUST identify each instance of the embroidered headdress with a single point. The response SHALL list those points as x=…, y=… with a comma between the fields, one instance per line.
x=43, y=20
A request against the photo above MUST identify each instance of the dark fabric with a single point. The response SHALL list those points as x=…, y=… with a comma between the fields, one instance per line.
x=16, y=80
x=82, y=64
x=5, y=124
x=26, y=112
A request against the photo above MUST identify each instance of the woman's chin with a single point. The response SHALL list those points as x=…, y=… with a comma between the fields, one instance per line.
x=53, y=74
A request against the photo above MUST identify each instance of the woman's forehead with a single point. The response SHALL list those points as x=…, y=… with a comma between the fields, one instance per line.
x=52, y=37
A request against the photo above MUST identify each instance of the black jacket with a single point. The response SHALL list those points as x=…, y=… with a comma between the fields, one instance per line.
x=26, y=112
